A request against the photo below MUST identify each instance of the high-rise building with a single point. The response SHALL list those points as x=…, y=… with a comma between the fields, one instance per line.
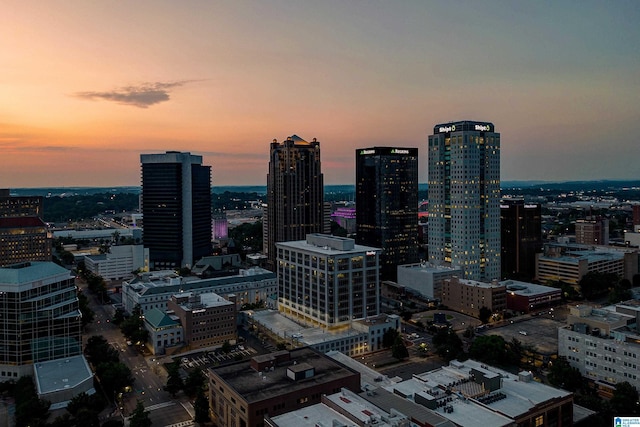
x=387, y=204
x=40, y=316
x=295, y=193
x=176, y=205
x=521, y=225
x=23, y=235
x=464, y=198
x=328, y=281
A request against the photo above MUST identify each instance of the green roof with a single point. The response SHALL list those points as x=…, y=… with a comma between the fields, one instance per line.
x=158, y=319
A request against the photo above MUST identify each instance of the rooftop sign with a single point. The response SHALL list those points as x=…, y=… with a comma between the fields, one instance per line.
x=465, y=126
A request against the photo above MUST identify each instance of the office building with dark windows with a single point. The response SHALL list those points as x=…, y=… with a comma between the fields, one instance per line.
x=387, y=205
x=328, y=281
x=295, y=194
x=521, y=238
x=464, y=198
x=176, y=205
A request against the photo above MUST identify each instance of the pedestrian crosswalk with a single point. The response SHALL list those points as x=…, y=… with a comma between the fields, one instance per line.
x=159, y=405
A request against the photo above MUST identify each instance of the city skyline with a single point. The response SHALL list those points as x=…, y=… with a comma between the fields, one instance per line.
x=89, y=86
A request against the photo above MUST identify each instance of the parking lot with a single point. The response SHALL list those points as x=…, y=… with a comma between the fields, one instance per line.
x=204, y=359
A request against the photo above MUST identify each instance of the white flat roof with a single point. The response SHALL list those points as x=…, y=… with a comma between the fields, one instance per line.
x=61, y=374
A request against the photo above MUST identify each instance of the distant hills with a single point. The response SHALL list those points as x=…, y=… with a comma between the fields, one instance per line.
x=599, y=185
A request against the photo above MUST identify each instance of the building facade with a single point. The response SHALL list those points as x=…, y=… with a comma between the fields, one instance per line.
x=23, y=235
x=327, y=280
x=208, y=320
x=603, y=344
x=425, y=278
x=528, y=297
x=295, y=193
x=176, y=205
x=521, y=238
x=387, y=205
x=568, y=263
x=165, y=331
x=243, y=393
x=469, y=296
x=153, y=290
x=464, y=198
x=119, y=262
x=40, y=317
x=592, y=231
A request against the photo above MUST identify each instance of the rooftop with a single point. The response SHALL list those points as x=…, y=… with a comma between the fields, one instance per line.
x=28, y=272
x=257, y=386
x=170, y=283
x=61, y=374
x=517, y=394
x=527, y=289
x=327, y=245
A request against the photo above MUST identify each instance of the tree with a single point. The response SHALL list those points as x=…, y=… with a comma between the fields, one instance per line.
x=624, y=401
x=448, y=344
x=493, y=350
x=174, y=380
x=133, y=327
x=98, y=351
x=87, y=313
x=85, y=409
x=595, y=284
x=201, y=407
x=484, y=315
x=563, y=375
x=398, y=349
x=139, y=417
x=114, y=376
x=226, y=347
x=194, y=383
x=30, y=411
x=389, y=337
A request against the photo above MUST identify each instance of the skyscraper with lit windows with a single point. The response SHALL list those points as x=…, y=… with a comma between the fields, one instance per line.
x=295, y=194
x=464, y=198
x=387, y=204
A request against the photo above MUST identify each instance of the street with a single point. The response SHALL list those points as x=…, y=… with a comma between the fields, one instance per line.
x=150, y=376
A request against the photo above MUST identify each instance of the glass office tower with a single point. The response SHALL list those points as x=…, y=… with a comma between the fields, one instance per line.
x=176, y=208
x=387, y=204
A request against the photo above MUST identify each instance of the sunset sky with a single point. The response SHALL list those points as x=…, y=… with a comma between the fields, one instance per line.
x=87, y=86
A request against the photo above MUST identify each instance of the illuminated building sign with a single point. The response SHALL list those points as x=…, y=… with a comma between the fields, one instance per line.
x=464, y=127
x=371, y=253
x=399, y=151
x=365, y=152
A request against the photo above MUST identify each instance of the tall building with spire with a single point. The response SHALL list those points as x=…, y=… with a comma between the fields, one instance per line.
x=295, y=194
x=176, y=207
x=464, y=198
x=387, y=205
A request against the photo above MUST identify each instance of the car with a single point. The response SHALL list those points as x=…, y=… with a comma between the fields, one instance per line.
x=523, y=333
